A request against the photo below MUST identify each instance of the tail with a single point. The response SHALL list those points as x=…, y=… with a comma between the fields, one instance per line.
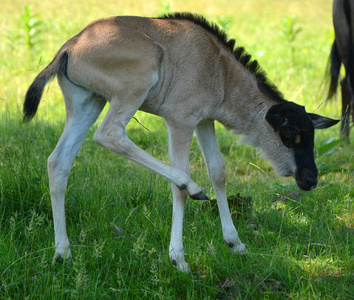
x=333, y=68
x=35, y=91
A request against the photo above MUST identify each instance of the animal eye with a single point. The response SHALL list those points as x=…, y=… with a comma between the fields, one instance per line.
x=286, y=132
x=287, y=136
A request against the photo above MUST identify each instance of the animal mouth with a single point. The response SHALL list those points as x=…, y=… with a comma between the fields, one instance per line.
x=287, y=175
x=306, y=186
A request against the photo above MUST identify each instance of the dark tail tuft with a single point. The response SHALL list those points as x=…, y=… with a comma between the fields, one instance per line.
x=33, y=97
x=334, y=68
x=35, y=91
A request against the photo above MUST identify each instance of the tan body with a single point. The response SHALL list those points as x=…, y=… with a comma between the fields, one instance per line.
x=125, y=59
x=180, y=69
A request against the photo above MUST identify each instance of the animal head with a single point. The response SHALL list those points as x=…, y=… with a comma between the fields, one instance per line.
x=290, y=146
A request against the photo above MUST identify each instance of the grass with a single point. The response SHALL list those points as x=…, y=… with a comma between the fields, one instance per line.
x=300, y=244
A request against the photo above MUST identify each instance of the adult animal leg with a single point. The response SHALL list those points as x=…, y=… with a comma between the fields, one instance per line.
x=343, y=12
x=83, y=108
x=216, y=169
x=346, y=98
x=352, y=108
x=180, y=139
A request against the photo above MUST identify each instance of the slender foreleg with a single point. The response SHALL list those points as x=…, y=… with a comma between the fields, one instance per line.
x=180, y=139
x=216, y=169
x=83, y=109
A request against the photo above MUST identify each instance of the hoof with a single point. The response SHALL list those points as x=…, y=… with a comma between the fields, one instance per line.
x=237, y=249
x=200, y=196
x=240, y=250
x=58, y=259
x=62, y=257
x=183, y=267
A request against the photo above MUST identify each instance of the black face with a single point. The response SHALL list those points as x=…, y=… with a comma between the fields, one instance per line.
x=296, y=131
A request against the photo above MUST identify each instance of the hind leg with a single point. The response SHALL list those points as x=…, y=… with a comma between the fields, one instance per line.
x=346, y=99
x=352, y=109
x=83, y=108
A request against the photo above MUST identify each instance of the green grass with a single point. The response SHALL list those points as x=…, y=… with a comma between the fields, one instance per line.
x=300, y=244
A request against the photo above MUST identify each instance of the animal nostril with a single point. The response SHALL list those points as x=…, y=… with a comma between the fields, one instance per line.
x=310, y=178
x=311, y=181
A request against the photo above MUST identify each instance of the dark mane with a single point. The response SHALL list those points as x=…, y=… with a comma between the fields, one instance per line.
x=264, y=85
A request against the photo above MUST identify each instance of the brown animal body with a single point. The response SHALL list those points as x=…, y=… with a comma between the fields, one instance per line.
x=183, y=69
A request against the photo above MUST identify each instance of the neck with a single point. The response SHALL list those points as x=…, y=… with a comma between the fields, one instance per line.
x=248, y=97
x=244, y=113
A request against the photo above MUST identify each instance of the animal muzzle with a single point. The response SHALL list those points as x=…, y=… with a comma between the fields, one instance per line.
x=306, y=179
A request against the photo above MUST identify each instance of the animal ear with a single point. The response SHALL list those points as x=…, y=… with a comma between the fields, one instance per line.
x=322, y=122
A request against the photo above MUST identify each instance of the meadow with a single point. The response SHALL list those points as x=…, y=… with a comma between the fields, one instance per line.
x=300, y=244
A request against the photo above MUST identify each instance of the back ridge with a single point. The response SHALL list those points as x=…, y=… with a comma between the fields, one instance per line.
x=240, y=54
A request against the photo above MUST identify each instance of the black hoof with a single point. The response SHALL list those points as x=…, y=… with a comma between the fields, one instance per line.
x=200, y=196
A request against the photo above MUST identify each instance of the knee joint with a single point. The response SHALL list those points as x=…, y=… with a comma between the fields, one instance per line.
x=57, y=165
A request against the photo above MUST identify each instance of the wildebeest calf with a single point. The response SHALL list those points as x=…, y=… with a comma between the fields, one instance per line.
x=182, y=68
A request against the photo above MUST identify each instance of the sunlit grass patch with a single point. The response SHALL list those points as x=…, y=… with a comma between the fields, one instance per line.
x=346, y=218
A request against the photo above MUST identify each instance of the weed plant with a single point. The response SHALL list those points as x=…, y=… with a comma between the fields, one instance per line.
x=119, y=214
